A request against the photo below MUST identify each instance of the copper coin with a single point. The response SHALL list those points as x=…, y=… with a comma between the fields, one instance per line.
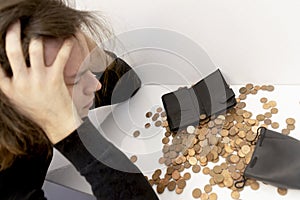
x=136, y=133
x=207, y=188
x=133, y=158
x=235, y=194
x=282, y=191
x=275, y=125
x=159, y=109
x=196, y=168
x=158, y=123
x=148, y=114
x=196, y=193
x=290, y=121
x=171, y=185
x=147, y=125
x=264, y=100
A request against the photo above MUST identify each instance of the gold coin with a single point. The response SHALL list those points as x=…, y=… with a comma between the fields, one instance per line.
x=204, y=196
x=260, y=117
x=275, y=125
x=158, y=123
x=266, y=106
x=133, y=158
x=249, y=86
x=253, y=91
x=242, y=96
x=290, y=121
x=207, y=188
x=254, y=185
x=291, y=126
x=243, y=90
x=163, y=114
x=160, y=188
x=282, y=191
x=175, y=175
x=181, y=183
x=247, y=115
x=268, y=115
x=272, y=103
x=147, y=125
x=136, y=133
x=235, y=194
x=206, y=170
x=274, y=110
x=218, y=178
x=171, y=185
x=178, y=191
x=159, y=109
x=267, y=121
x=162, y=160
x=148, y=114
x=285, y=131
x=197, y=193
x=217, y=169
x=264, y=100
x=192, y=160
x=228, y=182
x=187, y=176
x=155, y=117
x=196, y=168
x=213, y=196
x=245, y=149
x=165, y=140
x=270, y=88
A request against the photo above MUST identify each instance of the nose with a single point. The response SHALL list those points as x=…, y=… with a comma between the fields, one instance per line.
x=93, y=84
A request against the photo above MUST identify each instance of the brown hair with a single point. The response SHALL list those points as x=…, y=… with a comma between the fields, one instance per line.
x=20, y=136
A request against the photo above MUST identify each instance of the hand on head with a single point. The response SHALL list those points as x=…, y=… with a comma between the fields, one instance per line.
x=39, y=91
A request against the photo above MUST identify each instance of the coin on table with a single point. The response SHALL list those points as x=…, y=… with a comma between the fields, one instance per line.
x=254, y=185
x=187, y=176
x=204, y=196
x=163, y=114
x=243, y=90
x=206, y=170
x=192, y=160
x=263, y=100
x=282, y=191
x=147, y=125
x=268, y=121
x=171, y=185
x=285, y=131
x=274, y=110
x=197, y=193
x=207, y=188
x=235, y=194
x=155, y=117
x=275, y=125
x=249, y=86
x=196, y=168
x=148, y=114
x=272, y=103
x=268, y=115
x=136, y=133
x=160, y=188
x=291, y=126
x=213, y=196
x=181, y=183
x=270, y=88
x=178, y=191
x=290, y=121
x=159, y=109
x=260, y=117
x=158, y=123
x=133, y=158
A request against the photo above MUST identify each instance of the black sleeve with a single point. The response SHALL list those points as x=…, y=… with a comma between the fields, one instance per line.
x=99, y=161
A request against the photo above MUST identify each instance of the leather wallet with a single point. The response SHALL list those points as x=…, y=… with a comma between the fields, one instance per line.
x=209, y=96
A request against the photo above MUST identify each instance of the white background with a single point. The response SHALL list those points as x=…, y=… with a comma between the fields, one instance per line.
x=249, y=40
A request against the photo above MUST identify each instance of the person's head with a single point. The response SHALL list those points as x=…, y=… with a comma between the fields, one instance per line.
x=54, y=22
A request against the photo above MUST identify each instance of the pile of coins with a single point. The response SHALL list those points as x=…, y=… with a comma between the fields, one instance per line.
x=227, y=137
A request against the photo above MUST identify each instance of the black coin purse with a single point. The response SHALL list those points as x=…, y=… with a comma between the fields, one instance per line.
x=275, y=160
x=209, y=96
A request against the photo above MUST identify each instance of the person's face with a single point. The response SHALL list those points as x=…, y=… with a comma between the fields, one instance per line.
x=80, y=81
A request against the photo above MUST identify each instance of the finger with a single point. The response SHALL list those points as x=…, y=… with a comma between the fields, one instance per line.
x=14, y=49
x=63, y=55
x=36, y=54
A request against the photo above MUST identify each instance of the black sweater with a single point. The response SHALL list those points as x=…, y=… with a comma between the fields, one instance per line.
x=24, y=179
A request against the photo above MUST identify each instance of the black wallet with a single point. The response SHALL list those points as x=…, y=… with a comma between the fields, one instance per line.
x=275, y=160
x=209, y=96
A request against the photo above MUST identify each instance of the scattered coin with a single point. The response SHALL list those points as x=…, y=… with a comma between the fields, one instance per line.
x=197, y=193
x=148, y=114
x=136, y=133
x=133, y=158
x=282, y=191
x=147, y=125
x=290, y=121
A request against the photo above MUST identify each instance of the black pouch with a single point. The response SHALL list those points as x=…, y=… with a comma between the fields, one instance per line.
x=275, y=160
x=209, y=96
x=119, y=83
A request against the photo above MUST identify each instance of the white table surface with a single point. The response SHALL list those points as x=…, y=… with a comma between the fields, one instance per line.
x=117, y=123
